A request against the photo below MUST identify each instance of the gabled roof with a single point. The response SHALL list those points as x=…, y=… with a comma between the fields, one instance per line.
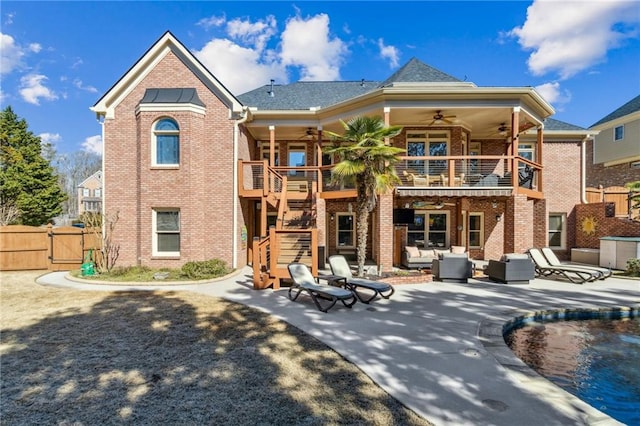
x=553, y=124
x=96, y=176
x=303, y=95
x=165, y=44
x=416, y=71
x=630, y=107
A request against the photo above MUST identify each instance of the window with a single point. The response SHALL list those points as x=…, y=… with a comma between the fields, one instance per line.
x=527, y=150
x=166, y=146
x=86, y=192
x=266, y=152
x=97, y=192
x=428, y=144
x=557, y=230
x=346, y=230
x=476, y=230
x=166, y=231
x=297, y=158
x=618, y=133
x=429, y=229
x=474, y=165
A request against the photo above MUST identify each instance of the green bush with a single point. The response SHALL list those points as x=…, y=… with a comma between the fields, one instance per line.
x=633, y=267
x=205, y=269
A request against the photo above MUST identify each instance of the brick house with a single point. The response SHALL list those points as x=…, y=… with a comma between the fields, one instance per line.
x=614, y=154
x=90, y=194
x=197, y=172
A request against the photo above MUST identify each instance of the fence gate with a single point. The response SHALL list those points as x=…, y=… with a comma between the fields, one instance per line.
x=66, y=248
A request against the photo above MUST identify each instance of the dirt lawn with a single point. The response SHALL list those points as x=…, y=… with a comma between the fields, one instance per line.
x=74, y=357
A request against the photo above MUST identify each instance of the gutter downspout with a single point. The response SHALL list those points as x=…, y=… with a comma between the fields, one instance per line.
x=583, y=169
x=236, y=123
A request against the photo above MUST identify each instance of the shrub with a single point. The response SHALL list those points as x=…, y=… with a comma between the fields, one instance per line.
x=205, y=269
x=633, y=267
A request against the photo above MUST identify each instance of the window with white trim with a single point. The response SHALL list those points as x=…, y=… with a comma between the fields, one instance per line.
x=429, y=229
x=166, y=143
x=345, y=230
x=557, y=231
x=476, y=230
x=421, y=144
x=97, y=192
x=166, y=232
x=618, y=133
x=527, y=150
x=265, y=150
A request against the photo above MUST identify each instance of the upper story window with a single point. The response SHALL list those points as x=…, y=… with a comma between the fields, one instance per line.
x=527, y=150
x=97, y=192
x=86, y=192
x=618, y=133
x=166, y=144
x=431, y=144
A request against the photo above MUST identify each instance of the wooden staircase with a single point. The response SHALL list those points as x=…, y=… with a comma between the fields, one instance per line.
x=294, y=239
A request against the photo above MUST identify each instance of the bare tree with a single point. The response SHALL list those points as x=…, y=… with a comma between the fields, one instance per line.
x=8, y=214
x=72, y=169
x=102, y=227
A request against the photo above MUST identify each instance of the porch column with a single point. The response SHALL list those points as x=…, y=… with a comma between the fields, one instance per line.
x=538, y=158
x=384, y=231
x=319, y=160
x=515, y=136
x=387, y=121
x=272, y=146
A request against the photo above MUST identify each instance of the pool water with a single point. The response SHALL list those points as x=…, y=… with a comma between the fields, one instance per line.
x=597, y=360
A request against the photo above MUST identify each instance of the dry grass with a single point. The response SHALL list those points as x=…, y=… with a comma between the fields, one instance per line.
x=72, y=357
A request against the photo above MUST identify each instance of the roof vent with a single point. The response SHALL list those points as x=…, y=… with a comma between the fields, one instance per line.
x=271, y=89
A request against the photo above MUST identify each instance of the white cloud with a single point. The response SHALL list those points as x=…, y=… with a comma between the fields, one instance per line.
x=553, y=94
x=10, y=54
x=389, y=52
x=78, y=83
x=225, y=58
x=32, y=89
x=306, y=43
x=35, y=47
x=214, y=21
x=256, y=33
x=50, y=138
x=569, y=37
x=93, y=144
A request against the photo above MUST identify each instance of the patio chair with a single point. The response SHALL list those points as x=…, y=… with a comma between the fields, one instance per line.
x=303, y=280
x=512, y=268
x=340, y=267
x=572, y=273
x=452, y=268
x=554, y=261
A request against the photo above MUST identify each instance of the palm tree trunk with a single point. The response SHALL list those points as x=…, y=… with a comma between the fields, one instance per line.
x=362, y=230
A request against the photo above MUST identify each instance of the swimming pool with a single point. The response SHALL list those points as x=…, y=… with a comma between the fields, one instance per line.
x=594, y=355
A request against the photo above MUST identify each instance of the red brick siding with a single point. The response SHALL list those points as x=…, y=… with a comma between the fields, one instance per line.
x=202, y=187
x=605, y=226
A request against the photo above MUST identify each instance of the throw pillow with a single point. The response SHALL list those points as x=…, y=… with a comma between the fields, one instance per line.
x=412, y=251
x=458, y=249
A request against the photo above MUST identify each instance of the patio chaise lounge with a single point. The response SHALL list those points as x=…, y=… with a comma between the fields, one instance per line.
x=554, y=261
x=303, y=280
x=572, y=273
x=340, y=267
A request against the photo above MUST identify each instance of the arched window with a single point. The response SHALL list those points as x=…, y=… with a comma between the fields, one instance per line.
x=166, y=145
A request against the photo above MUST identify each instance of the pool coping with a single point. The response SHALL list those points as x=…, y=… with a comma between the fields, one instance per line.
x=491, y=331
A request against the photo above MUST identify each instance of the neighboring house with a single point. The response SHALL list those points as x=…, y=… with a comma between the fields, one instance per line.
x=615, y=151
x=90, y=194
x=198, y=173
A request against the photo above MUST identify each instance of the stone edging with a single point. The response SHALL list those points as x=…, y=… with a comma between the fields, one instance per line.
x=152, y=283
x=491, y=333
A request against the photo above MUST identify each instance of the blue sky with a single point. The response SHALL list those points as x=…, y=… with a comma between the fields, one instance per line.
x=59, y=58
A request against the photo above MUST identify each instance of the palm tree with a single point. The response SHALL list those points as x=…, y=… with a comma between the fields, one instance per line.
x=367, y=162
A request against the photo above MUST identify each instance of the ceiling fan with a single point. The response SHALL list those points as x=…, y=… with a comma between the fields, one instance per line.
x=431, y=205
x=439, y=118
x=308, y=134
x=502, y=130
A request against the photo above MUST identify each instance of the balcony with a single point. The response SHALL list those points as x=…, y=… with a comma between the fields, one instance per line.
x=451, y=176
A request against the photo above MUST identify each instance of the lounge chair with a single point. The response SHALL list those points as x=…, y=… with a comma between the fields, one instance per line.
x=303, y=280
x=340, y=267
x=554, y=261
x=572, y=273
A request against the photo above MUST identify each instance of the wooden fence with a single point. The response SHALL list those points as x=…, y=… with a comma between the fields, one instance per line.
x=617, y=195
x=55, y=249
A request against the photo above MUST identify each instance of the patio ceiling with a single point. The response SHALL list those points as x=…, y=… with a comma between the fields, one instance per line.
x=483, y=122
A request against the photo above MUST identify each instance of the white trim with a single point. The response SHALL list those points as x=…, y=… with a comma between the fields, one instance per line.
x=197, y=109
x=563, y=231
x=154, y=143
x=481, y=230
x=154, y=232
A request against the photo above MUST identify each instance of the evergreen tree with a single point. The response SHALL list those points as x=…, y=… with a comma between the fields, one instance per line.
x=28, y=183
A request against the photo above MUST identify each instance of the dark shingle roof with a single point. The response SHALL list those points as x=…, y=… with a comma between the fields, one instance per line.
x=553, y=124
x=632, y=106
x=305, y=94
x=171, y=96
x=416, y=71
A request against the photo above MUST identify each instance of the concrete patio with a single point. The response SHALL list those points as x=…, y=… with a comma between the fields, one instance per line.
x=434, y=346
